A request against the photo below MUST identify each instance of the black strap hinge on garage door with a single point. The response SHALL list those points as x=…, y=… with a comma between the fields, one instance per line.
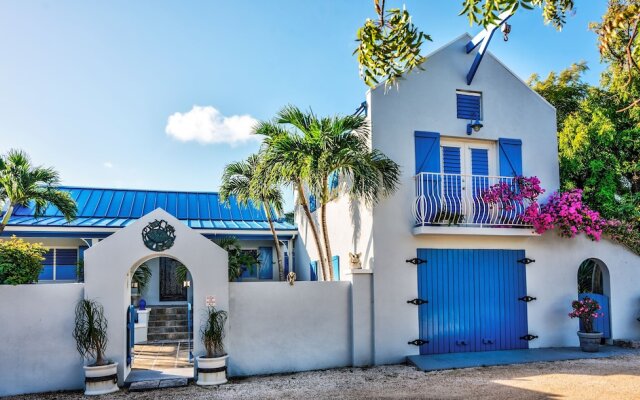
x=417, y=302
x=416, y=261
x=526, y=261
x=418, y=342
x=527, y=298
x=528, y=337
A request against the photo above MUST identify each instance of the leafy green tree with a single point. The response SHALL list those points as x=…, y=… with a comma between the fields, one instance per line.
x=619, y=37
x=322, y=146
x=22, y=183
x=20, y=261
x=389, y=46
x=486, y=12
x=564, y=90
x=599, y=149
x=242, y=180
x=284, y=154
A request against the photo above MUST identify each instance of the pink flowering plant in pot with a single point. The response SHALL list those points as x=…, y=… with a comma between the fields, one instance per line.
x=586, y=310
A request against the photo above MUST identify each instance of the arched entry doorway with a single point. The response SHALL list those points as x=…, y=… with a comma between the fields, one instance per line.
x=593, y=282
x=110, y=264
x=159, y=320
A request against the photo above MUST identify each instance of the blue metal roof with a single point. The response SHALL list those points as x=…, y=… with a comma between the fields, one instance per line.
x=117, y=208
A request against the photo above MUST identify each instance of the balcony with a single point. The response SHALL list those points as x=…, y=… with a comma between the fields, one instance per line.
x=453, y=204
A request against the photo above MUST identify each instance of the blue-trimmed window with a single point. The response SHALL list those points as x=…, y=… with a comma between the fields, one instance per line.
x=469, y=105
x=60, y=265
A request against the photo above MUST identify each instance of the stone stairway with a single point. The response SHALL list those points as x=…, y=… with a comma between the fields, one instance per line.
x=168, y=323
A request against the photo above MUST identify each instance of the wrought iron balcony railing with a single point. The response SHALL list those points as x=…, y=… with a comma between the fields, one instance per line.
x=456, y=200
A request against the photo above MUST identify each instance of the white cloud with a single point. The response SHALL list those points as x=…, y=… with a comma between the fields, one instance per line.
x=107, y=164
x=208, y=125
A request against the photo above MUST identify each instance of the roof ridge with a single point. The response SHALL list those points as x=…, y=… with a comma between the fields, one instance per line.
x=136, y=190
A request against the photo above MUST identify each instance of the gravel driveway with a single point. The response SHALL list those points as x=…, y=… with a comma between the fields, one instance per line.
x=609, y=378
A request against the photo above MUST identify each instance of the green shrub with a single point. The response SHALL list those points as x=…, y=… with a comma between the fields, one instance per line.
x=20, y=261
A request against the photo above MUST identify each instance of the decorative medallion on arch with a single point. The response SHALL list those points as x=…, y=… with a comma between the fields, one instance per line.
x=158, y=235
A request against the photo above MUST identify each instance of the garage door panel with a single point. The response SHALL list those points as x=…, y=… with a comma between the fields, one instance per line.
x=473, y=300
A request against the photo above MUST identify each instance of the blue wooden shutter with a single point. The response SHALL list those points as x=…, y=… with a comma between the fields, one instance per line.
x=313, y=271
x=333, y=181
x=335, y=263
x=427, y=151
x=312, y=203
x=510, y=157
x=468, y=106
x=266, y=263
x=427, y=157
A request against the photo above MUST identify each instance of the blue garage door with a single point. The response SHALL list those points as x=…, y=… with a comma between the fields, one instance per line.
x=473, y=300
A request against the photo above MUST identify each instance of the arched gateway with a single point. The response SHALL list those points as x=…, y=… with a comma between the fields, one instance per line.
x=109, y=264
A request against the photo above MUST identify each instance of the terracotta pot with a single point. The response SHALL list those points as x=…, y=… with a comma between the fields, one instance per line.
x=101, y=379
x=590, y=342
x=211, y=371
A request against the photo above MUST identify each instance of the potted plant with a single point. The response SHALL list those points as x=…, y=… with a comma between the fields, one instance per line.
x=90, y=333
x=587, y=310
x=212, y=367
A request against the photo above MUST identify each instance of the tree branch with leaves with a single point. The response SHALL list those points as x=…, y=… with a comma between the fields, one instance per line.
x=388, y=46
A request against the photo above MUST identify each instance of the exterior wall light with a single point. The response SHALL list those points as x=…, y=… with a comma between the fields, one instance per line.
x=474, y=126
x=134, y=285
x=186, y=284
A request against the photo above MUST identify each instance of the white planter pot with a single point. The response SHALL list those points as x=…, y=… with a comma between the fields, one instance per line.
x=211, y=371
x=101, y=379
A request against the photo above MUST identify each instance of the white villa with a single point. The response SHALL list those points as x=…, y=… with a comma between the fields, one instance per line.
x=442, y=271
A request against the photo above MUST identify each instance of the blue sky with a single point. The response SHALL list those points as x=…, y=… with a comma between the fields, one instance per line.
x=92, y=88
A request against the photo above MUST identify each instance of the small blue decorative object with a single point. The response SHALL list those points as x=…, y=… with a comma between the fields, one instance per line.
x=142, y=304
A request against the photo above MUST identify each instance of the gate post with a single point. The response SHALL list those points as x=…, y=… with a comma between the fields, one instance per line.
x=362, y=317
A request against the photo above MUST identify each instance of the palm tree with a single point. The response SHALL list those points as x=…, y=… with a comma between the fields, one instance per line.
x=22, y=183
x=319, y=147
x=241, y=180
x=285, y=156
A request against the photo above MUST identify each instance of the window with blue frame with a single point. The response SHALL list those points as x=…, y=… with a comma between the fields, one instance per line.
x=60, y=264
x=263, y=270
x=469, y=105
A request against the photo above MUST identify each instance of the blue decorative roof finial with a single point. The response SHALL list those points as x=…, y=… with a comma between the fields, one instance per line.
x=483, y=38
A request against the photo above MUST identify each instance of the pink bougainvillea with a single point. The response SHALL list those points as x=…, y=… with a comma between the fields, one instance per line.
x=563, y=210
x=511, y=194
x=566, y=212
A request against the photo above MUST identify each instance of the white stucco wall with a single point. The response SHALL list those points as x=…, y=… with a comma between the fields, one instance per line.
x=275, y=327
x=37, y=350
x=109, y=264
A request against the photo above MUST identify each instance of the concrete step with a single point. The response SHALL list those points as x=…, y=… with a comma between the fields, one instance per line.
x=168, y=323
x=152, y=337
x=167, y=329
x=168, y=317
x=168, y=310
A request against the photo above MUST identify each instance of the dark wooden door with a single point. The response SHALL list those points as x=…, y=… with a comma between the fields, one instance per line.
x=170, y=288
